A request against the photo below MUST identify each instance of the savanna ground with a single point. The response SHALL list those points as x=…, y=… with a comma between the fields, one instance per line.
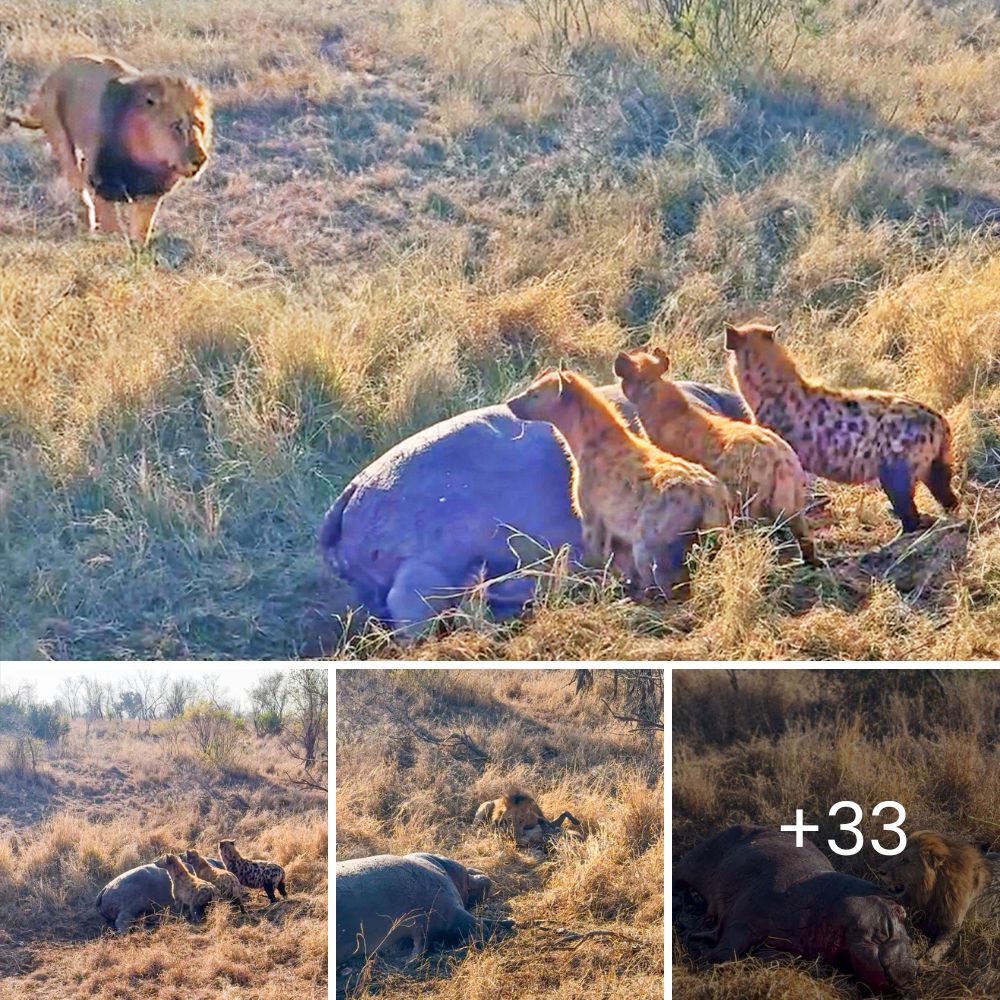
x=416, y=206
x=398, y=793
x=779, y=740
x=106, y=802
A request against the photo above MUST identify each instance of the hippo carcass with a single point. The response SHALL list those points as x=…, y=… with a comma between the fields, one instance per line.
x=450, y=505
x=385, y=901
x=763, y=890
x=137, y=893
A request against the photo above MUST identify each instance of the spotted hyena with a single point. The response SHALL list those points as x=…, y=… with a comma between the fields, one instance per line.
x=192, y=893
x=226, y=882
x=849, y=435
x=266, y=875
x=641, y=508
x=762, y=472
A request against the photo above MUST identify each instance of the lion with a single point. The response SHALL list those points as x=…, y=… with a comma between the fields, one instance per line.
x=942, y=880
x=520, y=813
x=122, y=138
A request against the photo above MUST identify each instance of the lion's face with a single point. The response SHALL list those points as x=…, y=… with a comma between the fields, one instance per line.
x=166, y=125
x=522, y=812
x=910, y=875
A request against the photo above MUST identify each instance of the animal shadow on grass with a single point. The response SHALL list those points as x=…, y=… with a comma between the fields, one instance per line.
x=922, y=567
x=24, y=802
x=276, y=913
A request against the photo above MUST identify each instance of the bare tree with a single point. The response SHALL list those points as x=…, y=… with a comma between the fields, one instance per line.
x=268, y=698
x=211, y=689
x=95, y=700
x=306, y=733
x=115, y=704
x=152, y=691
x=71, y=693
x=178, y=694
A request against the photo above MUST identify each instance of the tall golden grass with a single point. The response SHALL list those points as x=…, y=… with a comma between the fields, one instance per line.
x=397, y=793
x=104, y=803
x=413, y=208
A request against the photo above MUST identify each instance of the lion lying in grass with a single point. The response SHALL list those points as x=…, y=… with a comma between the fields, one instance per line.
x=122, y=138
x=942, y=880
x=519, y=812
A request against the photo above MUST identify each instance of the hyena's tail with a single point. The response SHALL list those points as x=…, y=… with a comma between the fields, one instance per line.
x=938, y=476
x=25, y=121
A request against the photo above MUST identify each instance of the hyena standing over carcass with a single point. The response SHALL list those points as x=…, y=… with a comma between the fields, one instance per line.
x=641, y=508
x=848, y=435
x=761, y=470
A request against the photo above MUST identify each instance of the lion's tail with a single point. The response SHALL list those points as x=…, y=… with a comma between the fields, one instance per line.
x=25, y=121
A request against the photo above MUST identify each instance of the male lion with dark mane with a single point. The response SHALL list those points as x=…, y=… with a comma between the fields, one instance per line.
x=942, y=880
x=520, y=813
x=122, y=138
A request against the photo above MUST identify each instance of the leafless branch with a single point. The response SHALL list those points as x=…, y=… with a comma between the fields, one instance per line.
x=636, y=720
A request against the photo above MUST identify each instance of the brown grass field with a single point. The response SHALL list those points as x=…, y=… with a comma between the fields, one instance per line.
x=414, y=207
x=397, y=793
x=104, y=803
x=782, y=740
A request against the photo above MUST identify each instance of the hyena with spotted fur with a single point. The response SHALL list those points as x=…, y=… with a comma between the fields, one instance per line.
x=848, y=435
x=192, y=893
x=226, y=882
x=763, y=473
x=256, y=874
x=641, y=508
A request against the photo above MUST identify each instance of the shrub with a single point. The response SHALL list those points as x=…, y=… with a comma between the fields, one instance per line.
x=217, y=734
x=726, y=33
x=267, y=723
x=20, y=759
x=44, y=722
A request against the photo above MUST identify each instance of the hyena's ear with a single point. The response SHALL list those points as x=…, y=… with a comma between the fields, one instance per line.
x=734, y=337
x=771, y=331
x=623, y=365
x=664, y=360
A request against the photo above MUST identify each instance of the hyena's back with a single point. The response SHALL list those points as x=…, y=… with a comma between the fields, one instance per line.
x=849, y=435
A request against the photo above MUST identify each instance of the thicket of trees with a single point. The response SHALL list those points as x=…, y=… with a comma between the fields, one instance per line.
x=289, y=705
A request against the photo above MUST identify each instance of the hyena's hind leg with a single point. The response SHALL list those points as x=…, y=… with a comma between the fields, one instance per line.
x=896, y=477
x=937, y=478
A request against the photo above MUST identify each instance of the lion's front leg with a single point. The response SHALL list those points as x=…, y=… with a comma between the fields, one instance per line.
x=141, y=216
x=102, y=215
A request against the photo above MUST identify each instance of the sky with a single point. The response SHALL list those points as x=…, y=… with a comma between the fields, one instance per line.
x=45, y=678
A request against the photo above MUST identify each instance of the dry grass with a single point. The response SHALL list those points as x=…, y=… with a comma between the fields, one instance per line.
x=108, y=802
x=785, y=740
x=396, y=794
x=409, y=215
